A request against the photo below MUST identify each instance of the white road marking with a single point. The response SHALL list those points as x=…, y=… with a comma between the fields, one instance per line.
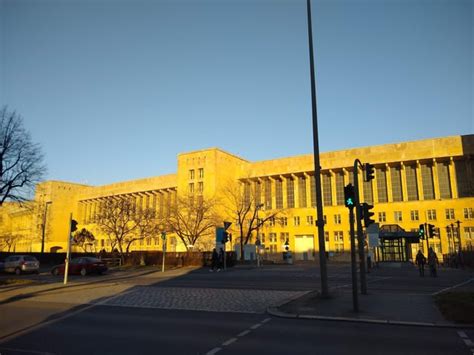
x=462, y=334
x=468, y=342
x=213, y=351
x=244, y=333
x=25, y=351
x=266, y=320
x=455, y=286
x=255, y=326
x=230, y=341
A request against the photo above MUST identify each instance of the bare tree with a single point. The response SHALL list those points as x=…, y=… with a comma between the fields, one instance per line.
x=192, y=218
x=83, y=239
x=120, y=219
x=244, y=207
x=7, y=241
x=21, y=160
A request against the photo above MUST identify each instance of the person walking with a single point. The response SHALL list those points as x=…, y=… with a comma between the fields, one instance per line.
x=420, y=261
x=432, y=262
x=221, y=260
x=214, y=260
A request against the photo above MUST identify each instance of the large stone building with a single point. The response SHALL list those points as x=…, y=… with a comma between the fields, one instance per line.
x=427, y=181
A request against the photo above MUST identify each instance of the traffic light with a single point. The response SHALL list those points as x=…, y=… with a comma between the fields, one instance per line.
x=366, y=213
x=287, y=245
x=369, y=171
x=73, y=225
x=349, y=195
x=431, y=231
x=226, y=237
x=421, y=231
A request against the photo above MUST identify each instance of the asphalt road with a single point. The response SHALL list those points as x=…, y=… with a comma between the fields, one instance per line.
x=113, y=326
x=123, y=330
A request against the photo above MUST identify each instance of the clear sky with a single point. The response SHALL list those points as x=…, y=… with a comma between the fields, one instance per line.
x=115, y=89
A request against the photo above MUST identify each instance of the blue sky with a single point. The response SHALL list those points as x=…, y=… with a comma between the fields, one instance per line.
x=115, y=89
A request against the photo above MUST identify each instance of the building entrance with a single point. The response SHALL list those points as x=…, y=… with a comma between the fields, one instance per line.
x=304, y=247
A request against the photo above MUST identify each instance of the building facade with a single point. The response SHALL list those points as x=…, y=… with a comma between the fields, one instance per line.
x=427, y=181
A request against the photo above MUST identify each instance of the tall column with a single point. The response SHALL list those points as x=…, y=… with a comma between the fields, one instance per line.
x=403, y=178
x=332, y=176
x=419, y=181
x=296, y=190
x=452, y=178
x=437, y=193
x=284, y=187
x=389, y=183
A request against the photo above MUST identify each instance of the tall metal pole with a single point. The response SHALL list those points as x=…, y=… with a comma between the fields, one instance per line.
x=317, y=167
x=68, y=253
x=43, y=232
x=355, y=297
x=360, y=234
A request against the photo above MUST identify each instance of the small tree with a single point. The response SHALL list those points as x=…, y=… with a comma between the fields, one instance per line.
x=21, y=161
x=192, y=218
x=83, y=239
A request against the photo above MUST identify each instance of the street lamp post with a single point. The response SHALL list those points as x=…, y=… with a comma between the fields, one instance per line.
x=43, y=229
x=317, y=166
x=258, y=242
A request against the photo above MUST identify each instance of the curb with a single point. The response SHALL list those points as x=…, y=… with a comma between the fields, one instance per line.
x=274, y=311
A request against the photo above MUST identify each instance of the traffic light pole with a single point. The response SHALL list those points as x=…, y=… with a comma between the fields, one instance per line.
x=355, y=299
x=68, y=253
x=360, y=235
x=317, y=166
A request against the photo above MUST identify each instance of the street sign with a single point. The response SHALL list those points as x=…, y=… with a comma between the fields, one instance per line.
x=227, y=225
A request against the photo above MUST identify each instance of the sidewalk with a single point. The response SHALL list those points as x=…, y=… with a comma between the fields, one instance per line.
x=390, y=301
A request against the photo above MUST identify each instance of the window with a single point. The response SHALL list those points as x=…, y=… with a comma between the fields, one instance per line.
x=443, y=180
x=468, y=213
x=309, y=220
x=339, y=188
x=427, y=181
x=337, y=219
x=397, y=215
x=268, y=194
x=272, y=237
x=382, y=217
x=148, y=241
x=327, y=193
x=469, y=236
x=368, y=192
x=414, y=216
x=381, y=179
x=279, y=193
x=290, y=193
x=191, y=188
x=397, y=192
x=200, y=187
x=258, y=191
x=191, y=174
x=246, y=193
x=284, y=236
x=201, y=173
x=325, y=219
x=312, y=181
x=412, y=185
x=302, y=191
x=465, y=177
x=296, y=220
x=339, y=241
x=431, y=215
x=271, y=221
x=450, y=213
x=284, y=221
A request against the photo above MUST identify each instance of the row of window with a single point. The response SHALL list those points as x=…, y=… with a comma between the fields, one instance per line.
x=200, y=173
x=392, y=176
x=382, y=217
x=200, y=187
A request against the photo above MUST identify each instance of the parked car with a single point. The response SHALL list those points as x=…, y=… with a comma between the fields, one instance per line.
x=82, y=266
x=21, y=264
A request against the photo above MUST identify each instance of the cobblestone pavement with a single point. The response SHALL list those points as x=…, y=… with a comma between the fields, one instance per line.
x=202, y=299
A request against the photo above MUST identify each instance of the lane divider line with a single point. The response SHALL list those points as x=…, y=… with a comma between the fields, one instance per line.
x=244, y=333
x=230, y=341
x=255, y=326
x=213, y=351
x=452, y=287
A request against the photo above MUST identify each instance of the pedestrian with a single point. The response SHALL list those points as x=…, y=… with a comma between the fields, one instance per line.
x=420, y=261
x=432, y=262
x=214, y=260
x=221, y=260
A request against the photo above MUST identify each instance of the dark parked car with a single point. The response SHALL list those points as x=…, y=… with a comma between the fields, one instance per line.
x=82, y=266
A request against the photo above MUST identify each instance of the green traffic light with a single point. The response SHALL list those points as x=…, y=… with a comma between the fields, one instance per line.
x=349, y=202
